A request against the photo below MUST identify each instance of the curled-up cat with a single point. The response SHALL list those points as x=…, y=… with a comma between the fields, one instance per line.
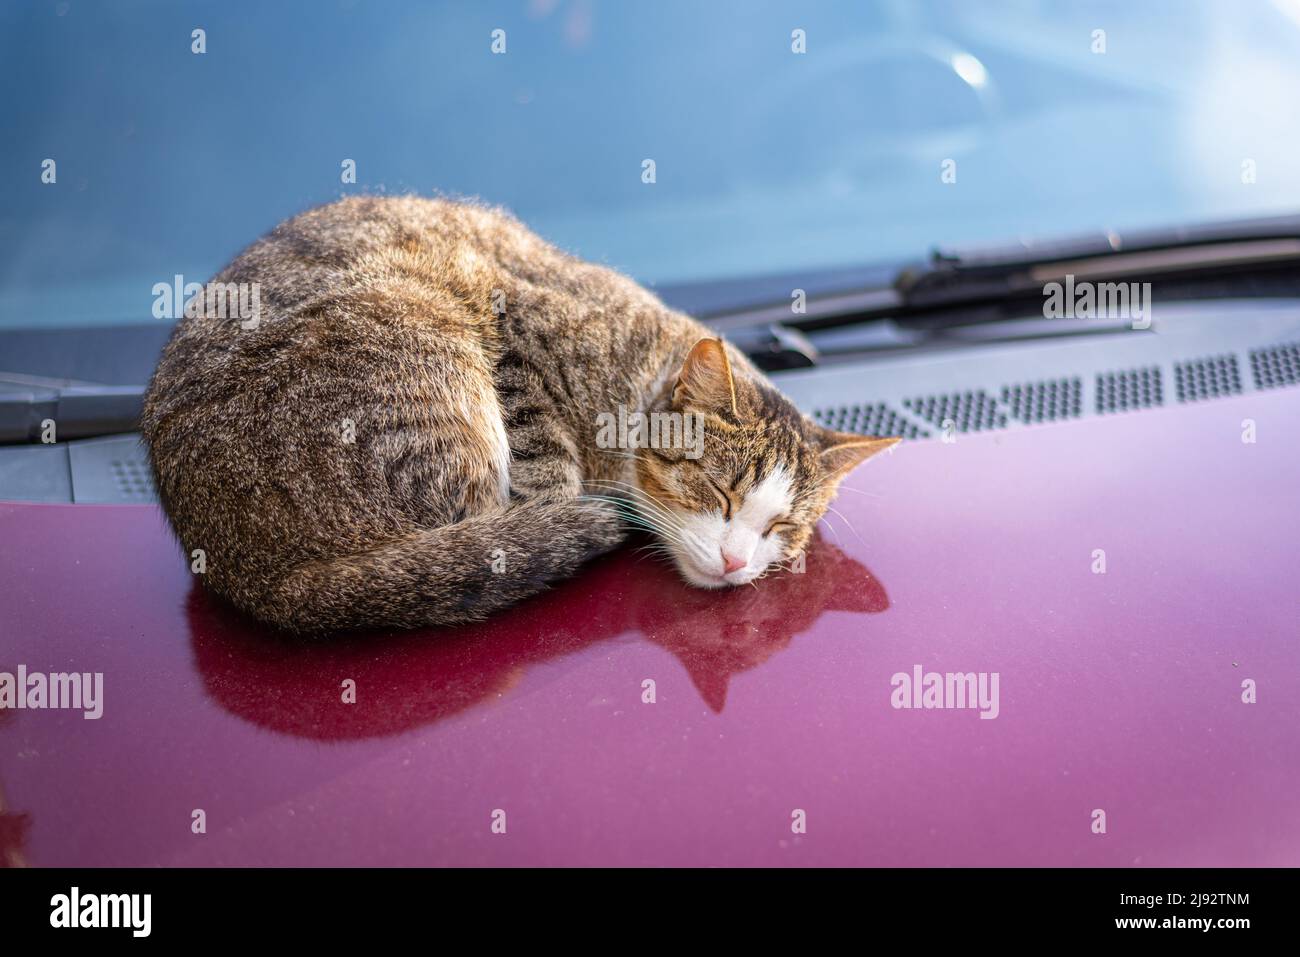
x=405, y=432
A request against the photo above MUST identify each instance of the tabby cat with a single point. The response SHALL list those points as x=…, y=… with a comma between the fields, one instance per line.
x=406, y=433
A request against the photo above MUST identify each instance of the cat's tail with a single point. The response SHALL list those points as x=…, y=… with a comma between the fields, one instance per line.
x=445, y=576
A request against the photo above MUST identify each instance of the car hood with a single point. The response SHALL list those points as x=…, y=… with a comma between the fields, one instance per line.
x=624, y=718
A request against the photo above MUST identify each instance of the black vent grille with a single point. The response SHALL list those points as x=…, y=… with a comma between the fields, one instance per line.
x=1207, y=378
x=1131, y=389
x=973, y=411
x=1045, y=401
x=869, y=419
x=1060, y=399
x=1276, y=366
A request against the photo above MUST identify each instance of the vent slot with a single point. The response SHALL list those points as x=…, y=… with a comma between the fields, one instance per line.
x=1131, y=389
x=1276, y=366
x=1045, y=401
x=132, y=478
x=869, y=419
x=973, y=411
x=1207, y=378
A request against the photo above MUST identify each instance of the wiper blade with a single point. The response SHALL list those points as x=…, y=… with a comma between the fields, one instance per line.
x=77, y=409
x=953, y=277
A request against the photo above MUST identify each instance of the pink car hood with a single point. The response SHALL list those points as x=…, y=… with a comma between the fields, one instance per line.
x=773, y=706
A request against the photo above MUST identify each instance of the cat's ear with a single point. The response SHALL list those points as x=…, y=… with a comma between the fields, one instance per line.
x=705, y=383
x=842, y=452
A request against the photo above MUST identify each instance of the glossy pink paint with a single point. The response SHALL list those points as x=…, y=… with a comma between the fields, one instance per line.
x=1120, y=691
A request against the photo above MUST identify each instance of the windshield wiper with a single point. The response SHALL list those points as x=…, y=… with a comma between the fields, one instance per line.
x=932, y=302
x=998, y=272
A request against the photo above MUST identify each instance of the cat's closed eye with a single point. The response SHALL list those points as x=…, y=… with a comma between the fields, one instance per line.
x=724, y=499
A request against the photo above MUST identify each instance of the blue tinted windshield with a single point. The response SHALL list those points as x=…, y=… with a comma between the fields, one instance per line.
x=903, y=125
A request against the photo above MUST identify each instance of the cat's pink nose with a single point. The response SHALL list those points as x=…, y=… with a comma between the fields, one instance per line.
x=731, y=563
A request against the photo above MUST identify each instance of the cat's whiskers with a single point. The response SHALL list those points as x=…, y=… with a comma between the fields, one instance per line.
x=845, y=521
x=833, y=529
x=642, y=496
x=626, y=490
x=648, y=524
x=858, y=491
x=638, y=511
x=655, y=551
x=633, y=516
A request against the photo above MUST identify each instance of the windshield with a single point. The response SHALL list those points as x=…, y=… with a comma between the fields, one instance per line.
x=676, y=141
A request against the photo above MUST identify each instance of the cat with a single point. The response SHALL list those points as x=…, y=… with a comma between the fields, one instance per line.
x=405, y=435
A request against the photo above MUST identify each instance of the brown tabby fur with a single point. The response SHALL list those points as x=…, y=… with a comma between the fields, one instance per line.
x=380, y=312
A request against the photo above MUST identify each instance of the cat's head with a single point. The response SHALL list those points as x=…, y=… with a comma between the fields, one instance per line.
x=749, y=497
